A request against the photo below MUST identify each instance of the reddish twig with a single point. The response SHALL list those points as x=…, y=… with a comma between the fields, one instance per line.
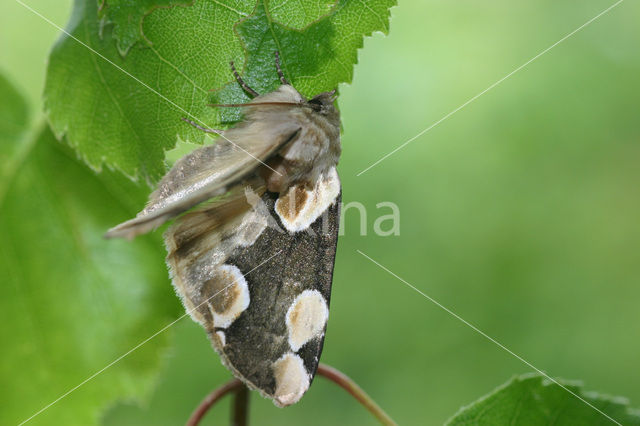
x=240, y=410
x=356, y=391
x=234, y=385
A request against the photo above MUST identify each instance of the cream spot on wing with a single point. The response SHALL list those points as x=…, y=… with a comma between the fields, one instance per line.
x=306, y=318
x=299, y=207
x=229, y=295
x=222, y=337
x=292, y=379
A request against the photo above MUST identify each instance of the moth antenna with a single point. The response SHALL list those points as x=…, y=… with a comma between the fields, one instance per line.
x=280, y=73
x=204, y=129
x=251, y=104
x=241, y=82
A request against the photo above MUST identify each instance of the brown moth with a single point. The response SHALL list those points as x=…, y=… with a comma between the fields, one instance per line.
x=251, y=252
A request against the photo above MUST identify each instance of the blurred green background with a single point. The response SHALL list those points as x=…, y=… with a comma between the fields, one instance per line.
x=520, y=212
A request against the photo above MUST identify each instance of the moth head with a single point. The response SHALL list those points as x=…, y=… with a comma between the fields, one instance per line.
x=323, y=104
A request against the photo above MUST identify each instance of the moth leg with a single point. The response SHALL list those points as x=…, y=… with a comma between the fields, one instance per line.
x=280, y=73
x=204, y=129
x=241, y=82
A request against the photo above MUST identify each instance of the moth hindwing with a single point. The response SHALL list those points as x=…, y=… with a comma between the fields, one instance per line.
x=251, y=253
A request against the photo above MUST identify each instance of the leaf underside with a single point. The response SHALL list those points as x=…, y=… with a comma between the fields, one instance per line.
x=126, y=17
x=182, y=53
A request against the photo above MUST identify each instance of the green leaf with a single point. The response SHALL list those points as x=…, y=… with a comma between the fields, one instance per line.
x=314, y=60
x=73, y=302
x=14, y=118
x=111, y=119
x=127, y=15
x=13, y=112
x=299, y=14
x=533, y=400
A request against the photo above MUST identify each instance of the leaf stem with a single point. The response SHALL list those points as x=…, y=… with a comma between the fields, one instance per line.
x=356, y=391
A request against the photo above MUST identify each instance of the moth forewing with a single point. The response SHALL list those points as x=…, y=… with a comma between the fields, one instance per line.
x=280, y=320
x=208, y=172
x=254, y=267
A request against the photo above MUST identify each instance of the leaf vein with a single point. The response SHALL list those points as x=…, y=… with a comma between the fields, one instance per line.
x=229, y=8
x=178, y=70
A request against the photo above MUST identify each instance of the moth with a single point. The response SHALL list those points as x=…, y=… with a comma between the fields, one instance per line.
x=252, y=250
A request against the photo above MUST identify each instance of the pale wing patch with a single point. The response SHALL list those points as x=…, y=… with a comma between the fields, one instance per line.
x=292, y=379
x=254, y=222
x=306, y=318
x=221, y=336
x=201, y=241
x=231, y=295
x=299, y=207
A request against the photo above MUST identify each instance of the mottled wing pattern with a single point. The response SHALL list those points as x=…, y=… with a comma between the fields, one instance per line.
x=276, y=344
x=265, y=315
x=211, y=171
